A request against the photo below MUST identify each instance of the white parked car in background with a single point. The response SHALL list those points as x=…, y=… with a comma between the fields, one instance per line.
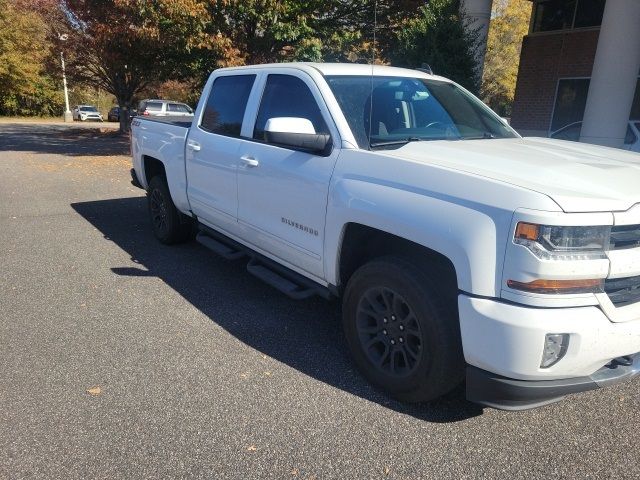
x=86, y=112
x=572, y=132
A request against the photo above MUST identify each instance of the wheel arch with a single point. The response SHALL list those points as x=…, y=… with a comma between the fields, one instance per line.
x=362, y=243
x=152, y=167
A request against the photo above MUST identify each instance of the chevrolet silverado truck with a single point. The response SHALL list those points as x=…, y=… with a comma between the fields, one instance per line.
x=460, y=250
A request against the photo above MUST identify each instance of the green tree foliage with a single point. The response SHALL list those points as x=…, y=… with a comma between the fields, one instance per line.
x=25, y=86
x=122, y=46
x=437, y=36
x=131, y=47
x=262, y=31
x=510, y=22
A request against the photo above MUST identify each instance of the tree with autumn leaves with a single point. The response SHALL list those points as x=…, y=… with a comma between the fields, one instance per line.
x=26, y=83
x=128, y=47
x=509, y=24
x=123, y=46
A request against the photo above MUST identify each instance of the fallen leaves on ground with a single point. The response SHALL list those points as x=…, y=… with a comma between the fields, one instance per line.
x=94, y=390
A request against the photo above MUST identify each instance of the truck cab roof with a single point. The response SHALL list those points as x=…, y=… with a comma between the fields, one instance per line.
x=334, y=69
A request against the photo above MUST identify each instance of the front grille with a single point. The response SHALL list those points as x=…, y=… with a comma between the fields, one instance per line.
x=625, y=236
x=623, y=291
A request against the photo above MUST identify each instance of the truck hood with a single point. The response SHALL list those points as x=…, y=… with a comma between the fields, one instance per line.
x=577, y=176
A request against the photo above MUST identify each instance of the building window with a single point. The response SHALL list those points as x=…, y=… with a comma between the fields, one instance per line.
x=571, y=100
x=589, y=13
x=552, y=15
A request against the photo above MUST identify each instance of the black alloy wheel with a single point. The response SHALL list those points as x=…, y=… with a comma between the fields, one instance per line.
x=389, y=333
x=401, y=323
x=169, y=225
x=158, y=209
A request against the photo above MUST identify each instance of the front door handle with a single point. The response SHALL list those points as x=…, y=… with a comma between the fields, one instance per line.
x=195, y=146
x=250, y=162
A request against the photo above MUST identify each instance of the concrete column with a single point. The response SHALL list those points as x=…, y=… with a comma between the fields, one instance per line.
x=614, y=76
x=478, y=16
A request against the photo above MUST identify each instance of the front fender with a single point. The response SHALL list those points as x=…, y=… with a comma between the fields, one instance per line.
x=469, y=238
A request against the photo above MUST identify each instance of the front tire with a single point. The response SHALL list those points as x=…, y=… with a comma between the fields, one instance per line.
x=169, y=225
x=403, y=333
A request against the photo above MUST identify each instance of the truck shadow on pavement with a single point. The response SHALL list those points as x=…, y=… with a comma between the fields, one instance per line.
x=305, y=335
x=72, y=140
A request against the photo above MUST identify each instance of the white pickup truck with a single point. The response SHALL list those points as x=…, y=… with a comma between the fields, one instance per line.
x=459, y=249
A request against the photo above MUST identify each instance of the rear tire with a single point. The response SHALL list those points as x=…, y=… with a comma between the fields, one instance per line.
x=403, y=333
x=169, y=225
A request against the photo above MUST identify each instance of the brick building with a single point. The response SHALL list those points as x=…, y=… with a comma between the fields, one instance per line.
x=580, y=62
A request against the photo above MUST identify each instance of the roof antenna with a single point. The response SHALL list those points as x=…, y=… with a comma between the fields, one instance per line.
x=426, y=68
x=373, y=61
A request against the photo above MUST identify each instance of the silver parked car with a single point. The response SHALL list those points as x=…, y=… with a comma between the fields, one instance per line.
x=86, y=112
x=164, y=108
x=572, y=132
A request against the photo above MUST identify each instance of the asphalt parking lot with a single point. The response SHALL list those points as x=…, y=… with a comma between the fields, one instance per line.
x=123, y=358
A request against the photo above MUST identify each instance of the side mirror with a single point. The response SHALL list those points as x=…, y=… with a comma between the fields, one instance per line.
x=296, y=133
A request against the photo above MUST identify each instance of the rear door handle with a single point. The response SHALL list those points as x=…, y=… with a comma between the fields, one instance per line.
x=250, y=162
x=195, y=146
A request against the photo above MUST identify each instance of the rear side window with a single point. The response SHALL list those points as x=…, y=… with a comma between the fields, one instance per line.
x=288, y=96
x=155, y=106
x=226, y=104
x=178, y=107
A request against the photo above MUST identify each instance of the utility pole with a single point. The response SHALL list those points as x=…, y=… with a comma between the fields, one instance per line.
x=68, y=117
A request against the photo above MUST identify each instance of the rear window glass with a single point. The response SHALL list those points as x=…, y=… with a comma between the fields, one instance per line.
x=226, y=104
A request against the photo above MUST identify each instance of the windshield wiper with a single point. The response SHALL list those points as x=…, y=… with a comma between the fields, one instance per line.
x=402, y=141
x=480, y=137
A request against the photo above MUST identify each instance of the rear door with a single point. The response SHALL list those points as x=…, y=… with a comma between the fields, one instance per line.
x=282, y=192
x=212, y=151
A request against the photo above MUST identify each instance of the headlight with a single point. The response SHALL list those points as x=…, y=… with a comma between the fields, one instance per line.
x=564, y=243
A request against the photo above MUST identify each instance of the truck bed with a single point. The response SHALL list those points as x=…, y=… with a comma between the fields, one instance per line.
x=181, y=121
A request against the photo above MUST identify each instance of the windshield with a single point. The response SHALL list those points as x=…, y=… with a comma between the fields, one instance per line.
x=394, y=110
x=88, y=109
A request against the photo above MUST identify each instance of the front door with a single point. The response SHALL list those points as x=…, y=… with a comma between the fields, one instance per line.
x=282, y=192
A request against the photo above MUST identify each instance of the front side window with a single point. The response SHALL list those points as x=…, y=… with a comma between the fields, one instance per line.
x=287, y=96
x=226, y=104
x=179, y=108
x=571, y=132
x=395, y=109
x=635, y=105
x=182, y=108
x=630, y=138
